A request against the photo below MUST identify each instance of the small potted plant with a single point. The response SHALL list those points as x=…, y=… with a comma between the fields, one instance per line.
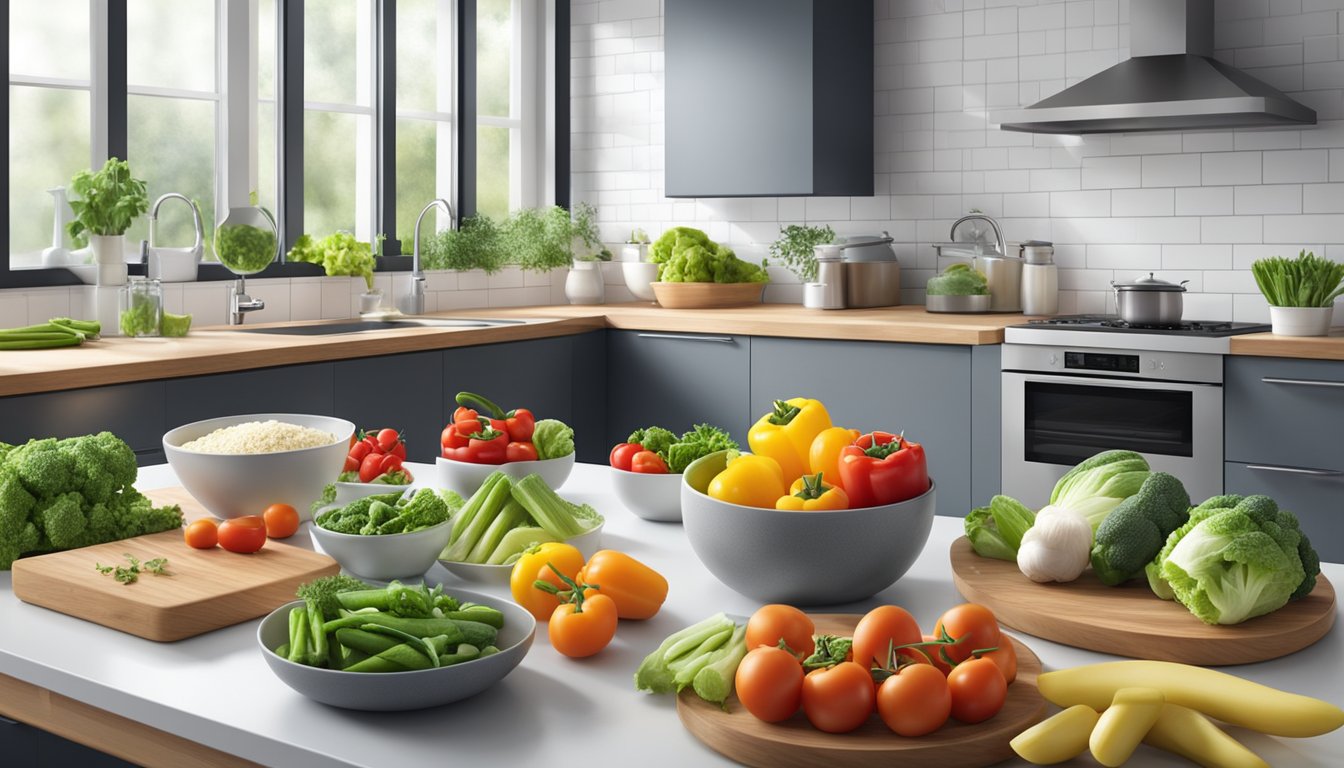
x=584, y=284
x=1301, y=292
x=794, y=249
x=107, y=202
x=340, y=253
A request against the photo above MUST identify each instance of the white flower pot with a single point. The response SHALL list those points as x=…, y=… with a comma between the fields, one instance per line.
x=109, y=253
x=583, y=285
x=1300, y=321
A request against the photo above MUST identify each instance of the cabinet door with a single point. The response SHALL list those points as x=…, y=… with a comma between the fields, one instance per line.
x=404, y=392
x=18, y=744
x=1284, y=412
x=921, y=389
x=676, y=381
x=1315, y=496
x=134, y=412
x=284, y=389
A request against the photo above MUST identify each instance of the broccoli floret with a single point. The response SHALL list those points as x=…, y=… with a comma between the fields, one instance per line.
x=1136, y=530
x=103, y=464
x=379, y=513
x=63, y=521
x=425, y=509
x=353, y=516
x=45, y=469
x=654, y=439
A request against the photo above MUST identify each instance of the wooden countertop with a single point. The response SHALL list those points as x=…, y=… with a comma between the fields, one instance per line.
x=1303, y=347
x=220, y=349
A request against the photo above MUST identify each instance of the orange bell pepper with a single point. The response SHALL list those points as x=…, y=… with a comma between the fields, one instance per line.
x=637, y=589
x=824, y=454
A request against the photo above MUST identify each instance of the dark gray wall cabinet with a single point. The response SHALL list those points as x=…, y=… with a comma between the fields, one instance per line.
x=768, y=97
x=403, y=392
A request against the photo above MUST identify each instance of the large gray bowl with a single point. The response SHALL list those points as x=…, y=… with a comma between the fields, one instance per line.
x=395, y=691
x=233, y=485
x=801, y=558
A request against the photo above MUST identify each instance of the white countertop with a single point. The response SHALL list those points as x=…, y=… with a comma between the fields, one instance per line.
x=216, y=689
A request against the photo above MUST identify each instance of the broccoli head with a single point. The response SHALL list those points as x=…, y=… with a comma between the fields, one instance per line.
x=654, y=439
x=45, y=469
x=103, y=464
x=1136, y=530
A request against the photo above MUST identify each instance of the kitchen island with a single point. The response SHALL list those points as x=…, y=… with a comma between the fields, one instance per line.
x=215, y=690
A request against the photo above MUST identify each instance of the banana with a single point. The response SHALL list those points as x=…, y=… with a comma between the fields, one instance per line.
x=1187, y=733
x=1121, y=728
x=1058, y=738
x=1217, y=694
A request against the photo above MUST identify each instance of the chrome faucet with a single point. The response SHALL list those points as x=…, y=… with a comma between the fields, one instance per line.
x=414, y=303
x=999, y=246
x=240, y=303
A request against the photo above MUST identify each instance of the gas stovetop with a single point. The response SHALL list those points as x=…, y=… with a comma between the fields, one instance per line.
x=1110, y=332
x=1113, y=324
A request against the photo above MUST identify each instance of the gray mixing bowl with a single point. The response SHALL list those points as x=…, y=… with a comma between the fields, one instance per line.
x=801, y=558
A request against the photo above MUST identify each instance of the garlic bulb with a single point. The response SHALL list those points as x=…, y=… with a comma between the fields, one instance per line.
x=1057, y=547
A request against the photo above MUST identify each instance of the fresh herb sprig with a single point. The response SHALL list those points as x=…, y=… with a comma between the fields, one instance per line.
x=793, y=249
x=129, y=574
x=1307, y=281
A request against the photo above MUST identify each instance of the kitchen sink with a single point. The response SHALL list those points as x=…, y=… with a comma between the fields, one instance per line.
x=363, y=326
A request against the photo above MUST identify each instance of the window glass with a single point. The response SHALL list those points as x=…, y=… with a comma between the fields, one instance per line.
x=171, y=145
x=48, y=144
x=424, y=165
x=171, y=44
x=494, y=52
x=336, y=51
x=492, y=170
x=337, y=173
x=267, y=137
x=424, y=56
x=49, y=38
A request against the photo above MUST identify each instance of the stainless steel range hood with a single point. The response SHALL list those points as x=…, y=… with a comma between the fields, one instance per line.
x=1170, y=84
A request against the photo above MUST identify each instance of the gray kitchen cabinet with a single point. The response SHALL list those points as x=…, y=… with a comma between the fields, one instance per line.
x=283, y=389
x=1282, y=421
x=24, y=746
x=677, y=380
x=768, y=97
x=923, y=390
x=403, y=392
x=134, y=412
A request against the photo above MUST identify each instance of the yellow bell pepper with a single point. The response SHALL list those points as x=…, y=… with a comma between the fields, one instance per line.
x=786, y=433
x=809, y=493
x=824, y=455
x=749, y=480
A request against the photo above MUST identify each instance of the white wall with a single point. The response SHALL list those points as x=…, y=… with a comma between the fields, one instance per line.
x=1191, y=206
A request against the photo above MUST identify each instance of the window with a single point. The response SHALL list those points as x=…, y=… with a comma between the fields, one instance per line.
x=202, y=111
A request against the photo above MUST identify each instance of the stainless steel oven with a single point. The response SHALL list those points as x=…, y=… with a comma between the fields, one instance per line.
x=1064, y=403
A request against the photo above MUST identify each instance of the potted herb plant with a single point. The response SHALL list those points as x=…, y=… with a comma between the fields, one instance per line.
x=1301, y=292
x=794, y=249
x=106, y=204
x=584, y=284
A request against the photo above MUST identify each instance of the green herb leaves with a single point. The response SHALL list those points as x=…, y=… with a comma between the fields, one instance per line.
x=129, y=574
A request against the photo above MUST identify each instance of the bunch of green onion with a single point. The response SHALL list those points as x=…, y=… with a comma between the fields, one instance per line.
x=1307, y=281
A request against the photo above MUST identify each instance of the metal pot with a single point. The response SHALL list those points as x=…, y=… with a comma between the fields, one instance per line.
x=1149, y=301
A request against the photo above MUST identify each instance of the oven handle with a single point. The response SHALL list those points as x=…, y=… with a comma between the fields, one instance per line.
x=1101, y=381
x=1295, y=470
x=1302, y=382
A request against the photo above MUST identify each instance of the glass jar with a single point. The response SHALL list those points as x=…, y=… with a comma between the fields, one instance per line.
x=141, y=307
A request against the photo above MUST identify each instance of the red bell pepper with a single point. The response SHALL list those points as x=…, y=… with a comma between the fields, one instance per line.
x=882, y=468
x=484, y=446
x=519, y=422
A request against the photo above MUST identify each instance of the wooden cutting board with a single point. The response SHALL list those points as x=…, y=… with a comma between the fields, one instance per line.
x=794, y=743
x=207, y=589
x=1129, y=620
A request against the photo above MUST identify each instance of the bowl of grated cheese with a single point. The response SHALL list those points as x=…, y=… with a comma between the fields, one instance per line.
x=239, y=465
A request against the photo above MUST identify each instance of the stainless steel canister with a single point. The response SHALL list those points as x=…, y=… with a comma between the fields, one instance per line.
x=1003, y=274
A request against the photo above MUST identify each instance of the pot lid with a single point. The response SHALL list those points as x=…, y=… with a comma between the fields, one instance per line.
x=1150, y=283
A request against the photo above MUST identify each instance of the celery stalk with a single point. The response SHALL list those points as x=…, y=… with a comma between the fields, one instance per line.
x=714, y=681
x=515, y=541
x=481, y=510
x=653, y=673
x=510, y=517
x=549, y=510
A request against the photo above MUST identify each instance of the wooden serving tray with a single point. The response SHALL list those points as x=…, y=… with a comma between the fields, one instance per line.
x=1129, y=620
x=794, y=743
x=208, y=589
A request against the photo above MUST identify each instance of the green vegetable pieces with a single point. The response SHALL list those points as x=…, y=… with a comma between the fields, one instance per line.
x=1135, y=531
x=704, y=655
x=1235, y=559
x=382, y=514
x=687, y=255
x=339, y=254
x=129, y=574
x=958, y=280
x=503, y=518
x=553, y=439
x=679, y=452
x=245, y=248
x=996, y=531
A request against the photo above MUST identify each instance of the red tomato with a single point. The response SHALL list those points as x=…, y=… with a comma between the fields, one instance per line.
x=370, y=467
x=623, y=453
x=772, y=623
x=282, y=521
x=648, y=463
x=978, y=690
x=202, y=534
x=520, y=452
x=838, y=699
x=359, y=450
x=879, y=630
x=399, y=450
x=387, y=439
x=388, y=462
x=973, y=626
x=372, y=441
x=351, y=464
x=1006, y=659
x=914, y=701
x=769, y=683
x=244, y=534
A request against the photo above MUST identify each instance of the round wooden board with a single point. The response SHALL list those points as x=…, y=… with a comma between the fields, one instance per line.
x=794, y=743
x=1130, y=620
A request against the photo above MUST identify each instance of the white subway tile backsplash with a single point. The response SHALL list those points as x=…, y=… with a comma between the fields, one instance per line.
x=1142, y=202
x=1220, y=168
x=1171, y=170
x=1074, y=204
x=1112, y=172
x=1197, y=256
x=1290, y=166
x=1271, y=198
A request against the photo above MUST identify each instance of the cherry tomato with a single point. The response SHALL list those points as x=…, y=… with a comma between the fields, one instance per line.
x=399, y=450
x=978, y=690
x=351, y=464
x=244, y=534
x=771, y=623
x=371, y=467
x=914, y=701
x=623, y=453
x=932, y=654
x=282, y=521
x=648, y=463
x=577, y=635
x=1006, y=659
x=202, y=534
x=389, y=462
x=359, y=450
x=879, y=630
x=973, y=626
x=838, y=699
x=387, y=439
x=371, y=441
x=520, y=452
x=769, y=683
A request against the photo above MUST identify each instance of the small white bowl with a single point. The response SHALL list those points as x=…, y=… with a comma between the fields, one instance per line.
x=348, y=492
x=465, y=477
x=387, y=557
x=588, y=543
x=652, y=497
x=638, y=278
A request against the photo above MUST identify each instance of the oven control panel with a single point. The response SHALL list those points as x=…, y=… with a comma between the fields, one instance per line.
x=1106, y=362
x=1113, y=363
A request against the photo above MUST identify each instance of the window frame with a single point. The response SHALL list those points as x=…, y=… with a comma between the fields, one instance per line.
x=542, y=66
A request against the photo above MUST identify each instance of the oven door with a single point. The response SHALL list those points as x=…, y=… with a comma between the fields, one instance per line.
x=1052, y=422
